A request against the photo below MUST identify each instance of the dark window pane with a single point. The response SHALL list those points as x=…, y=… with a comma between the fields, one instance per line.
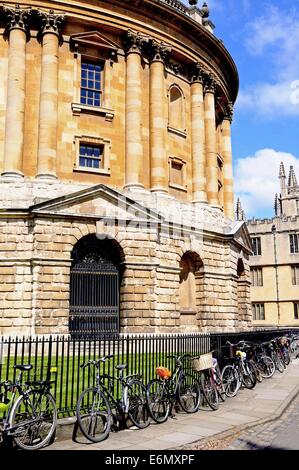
x=84, y=82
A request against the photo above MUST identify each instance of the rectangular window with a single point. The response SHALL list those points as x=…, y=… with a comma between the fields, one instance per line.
x=258, y=311
x=91, y=83
x=296, y=310
x=257, y=277
x=91, y=156
x=294, y=243
x=295, y=275
x=256, y=246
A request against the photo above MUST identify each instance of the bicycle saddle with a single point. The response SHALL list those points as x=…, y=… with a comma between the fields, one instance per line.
x=121, y=366
x=23, y=367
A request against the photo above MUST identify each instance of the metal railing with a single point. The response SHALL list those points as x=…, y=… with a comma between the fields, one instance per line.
x=141, y=352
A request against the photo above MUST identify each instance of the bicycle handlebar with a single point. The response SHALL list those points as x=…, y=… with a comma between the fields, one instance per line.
x=96, y=363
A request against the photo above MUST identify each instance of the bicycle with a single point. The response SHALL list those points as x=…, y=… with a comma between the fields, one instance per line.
x=210, y=379
x=241, y=372
x=95, y=404
x=29, y=415
x=180, y=387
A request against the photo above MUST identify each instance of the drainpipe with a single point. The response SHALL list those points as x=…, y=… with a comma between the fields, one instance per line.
x=276, y=273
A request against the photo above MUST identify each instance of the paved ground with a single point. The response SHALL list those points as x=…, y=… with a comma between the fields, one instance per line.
x=281, y=434
x=214, y=429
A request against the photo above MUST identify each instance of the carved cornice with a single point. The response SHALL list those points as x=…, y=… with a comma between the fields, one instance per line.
x=229, y=111
x=17, y=17
x=158, y=51
x=51, y=22
x=135, y=42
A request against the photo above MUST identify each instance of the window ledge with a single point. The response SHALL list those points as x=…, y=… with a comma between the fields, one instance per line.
x=78, y=108
x=177, y=131
x=190, y=311
x=178, y=186
x=98, y=171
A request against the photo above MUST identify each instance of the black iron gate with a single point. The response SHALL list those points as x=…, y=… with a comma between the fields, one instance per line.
x=94, y=297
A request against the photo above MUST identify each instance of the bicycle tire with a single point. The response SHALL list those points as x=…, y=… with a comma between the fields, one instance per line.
x=219, y=384
x=189, y=394
x=230, y=381
x=286, y=357
x=158, y=402
x=209, y=390
x=278, y=363
x=266, y=366
x=94, y=414
x=249, y=378
x=34, y=419
x=138, y=410
x=257, y=371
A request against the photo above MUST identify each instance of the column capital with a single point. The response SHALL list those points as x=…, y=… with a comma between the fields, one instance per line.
x=229, y=112
x=210, y=83
x=198, y=72
x=51, y=22
x=17, y=17
x=158, y=51
x=134, y=42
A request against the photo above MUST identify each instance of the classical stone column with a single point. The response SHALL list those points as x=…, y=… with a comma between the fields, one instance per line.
x=48, y=105
x=198, y=136
x=134, y=147
x=158, y=157
x=228, y=190
x=17, y=28
x=211, y=141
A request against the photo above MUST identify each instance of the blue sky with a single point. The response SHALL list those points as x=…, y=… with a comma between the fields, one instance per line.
x=263, y=39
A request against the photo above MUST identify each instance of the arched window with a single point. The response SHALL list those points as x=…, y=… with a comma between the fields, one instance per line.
x=241, y=290
x=176, y=108
x=94, y=287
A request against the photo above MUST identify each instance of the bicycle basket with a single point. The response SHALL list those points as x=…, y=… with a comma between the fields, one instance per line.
x=205, y=361
x=163, y=372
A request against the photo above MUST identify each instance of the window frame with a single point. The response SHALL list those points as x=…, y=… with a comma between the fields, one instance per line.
x=93, y=141
x=294, y=244
x=95, y=63
x=259, y=246
x=170, y=125
x=295, y=274
x=171, y=184
x=257, y=278
x=260, y=306
x=296, y=310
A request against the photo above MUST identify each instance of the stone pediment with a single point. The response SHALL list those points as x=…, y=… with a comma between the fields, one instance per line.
x=241, y=235
x=93, y=39
x=99, y=202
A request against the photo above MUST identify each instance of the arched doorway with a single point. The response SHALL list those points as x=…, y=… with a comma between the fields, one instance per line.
x=94, y=288
x=241, y=290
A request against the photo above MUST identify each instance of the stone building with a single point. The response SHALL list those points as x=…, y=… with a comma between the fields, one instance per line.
x=116, y=171
x=274, y=263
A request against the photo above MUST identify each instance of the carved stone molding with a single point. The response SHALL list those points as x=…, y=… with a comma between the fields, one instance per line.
x=229, y=111
x=51, y=22
x=198, y=73
x=210, y=83
x=158, y=51
x=17, y=17
x=135, y=42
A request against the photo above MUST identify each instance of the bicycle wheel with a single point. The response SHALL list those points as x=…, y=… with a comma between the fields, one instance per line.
x=230, y=380
x=33, y=420
x=189, y=394
x=278, y=363
x=248, y=375
x=158, y=400
x=286, y=357
x=209, y=389
x=219, y=383
x=257, y=371
x=93, y=414
x=266, y=366
x=138, y=410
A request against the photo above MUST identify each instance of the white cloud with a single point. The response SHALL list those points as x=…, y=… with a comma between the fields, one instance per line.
x=274, y=36
x=256, y=180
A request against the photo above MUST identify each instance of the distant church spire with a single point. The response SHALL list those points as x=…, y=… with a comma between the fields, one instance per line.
x=240, y=214
x=292, y=183
x=282, y=177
